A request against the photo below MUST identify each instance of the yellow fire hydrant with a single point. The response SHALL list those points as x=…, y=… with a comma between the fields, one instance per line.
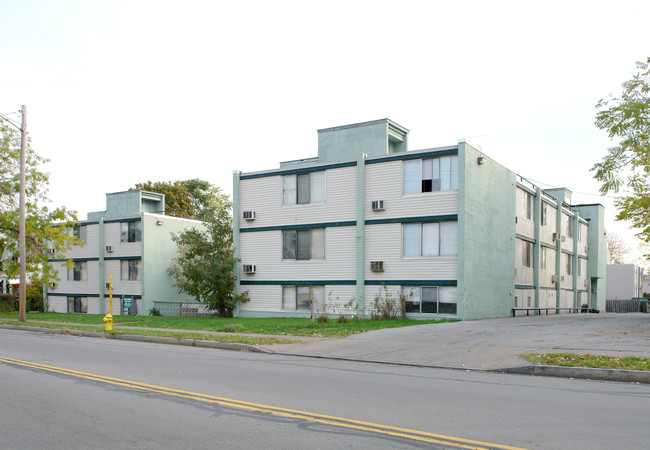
x=108, y=320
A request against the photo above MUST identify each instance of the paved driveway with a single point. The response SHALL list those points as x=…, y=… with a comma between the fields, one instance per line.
x=489, y=343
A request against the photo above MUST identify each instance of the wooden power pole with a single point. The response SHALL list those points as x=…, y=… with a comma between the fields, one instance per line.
x=21, y=224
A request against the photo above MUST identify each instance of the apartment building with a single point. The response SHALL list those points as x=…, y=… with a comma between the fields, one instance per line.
x=450, y=230
x=130, y=243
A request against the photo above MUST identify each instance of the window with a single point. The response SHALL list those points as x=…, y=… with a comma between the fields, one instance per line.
x=303, y=188
x=431, y=174
x=303, y=244
x=78, y=272
x=130, y=231
x=569, y=226
x=77, y=304
x=544, y=218
x=568, y=264
x=526, y=254
x=130, y=270
x=430, y=238
x=298, y=298
x=429, y=299
x=80, y=232
x=543, y=258
x=527, y=206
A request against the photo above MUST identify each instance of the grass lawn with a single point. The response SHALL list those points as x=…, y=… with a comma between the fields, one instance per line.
x=273, y=326
x=587, y=360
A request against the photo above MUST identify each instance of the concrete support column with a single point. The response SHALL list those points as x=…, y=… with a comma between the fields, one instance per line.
x=236, y=217
x=361, y=235
x=558, y=255
x=101, y=268
x=537, y=250
x=576, y=259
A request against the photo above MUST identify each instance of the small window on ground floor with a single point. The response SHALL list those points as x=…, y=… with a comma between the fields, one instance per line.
x=299, y=298
x=429, y=299
x=77, y=304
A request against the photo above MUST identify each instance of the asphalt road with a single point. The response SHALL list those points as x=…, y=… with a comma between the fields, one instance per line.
x=62, y=391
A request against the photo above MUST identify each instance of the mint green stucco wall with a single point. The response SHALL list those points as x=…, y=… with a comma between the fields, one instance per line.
x=350, y=141
x=597, y=263
x=486, y=231
x=158, y=252
x=130, y=203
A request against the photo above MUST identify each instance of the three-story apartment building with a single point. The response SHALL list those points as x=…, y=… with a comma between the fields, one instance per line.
x=450, y=230
x=130, y=243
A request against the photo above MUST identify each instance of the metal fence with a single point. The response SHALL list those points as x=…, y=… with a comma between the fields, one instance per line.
x=625, y=306
x=179, y=309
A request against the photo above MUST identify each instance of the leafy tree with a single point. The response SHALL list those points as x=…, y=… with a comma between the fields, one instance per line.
x=43, y=224
x=204, y=266
x=193, y=199
x=627, y=119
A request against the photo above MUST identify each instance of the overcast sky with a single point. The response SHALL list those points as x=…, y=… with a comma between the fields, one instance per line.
x=120, y=92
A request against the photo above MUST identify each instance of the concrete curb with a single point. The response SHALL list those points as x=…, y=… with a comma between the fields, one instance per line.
x=150, y=339
x=588, y=373
x=620, y=375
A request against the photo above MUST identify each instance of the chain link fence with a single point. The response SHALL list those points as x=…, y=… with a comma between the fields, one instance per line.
x=180, y=309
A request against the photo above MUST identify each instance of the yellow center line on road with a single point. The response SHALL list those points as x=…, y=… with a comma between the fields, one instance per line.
x=405, y=433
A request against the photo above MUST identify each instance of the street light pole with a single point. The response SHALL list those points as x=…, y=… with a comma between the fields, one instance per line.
x=21, y=225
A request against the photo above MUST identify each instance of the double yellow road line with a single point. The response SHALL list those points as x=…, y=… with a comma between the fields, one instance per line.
x=388, y=430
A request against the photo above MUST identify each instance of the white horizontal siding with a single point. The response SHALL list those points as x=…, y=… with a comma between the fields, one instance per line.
x=264, y=250
x=269, y=299
x=582, y=242
x=551, y=225
x=384, y=243
x=384, y=182
x=524, y=298
x=264, y=197
x=89, y=249
x=568, y=243
x=85, y=287
x=112, y=235
x=547, y=299
x=57, y=304
x=524, y=275
x=121, y=287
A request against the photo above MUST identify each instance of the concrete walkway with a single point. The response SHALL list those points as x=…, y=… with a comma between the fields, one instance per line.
x=489, y=345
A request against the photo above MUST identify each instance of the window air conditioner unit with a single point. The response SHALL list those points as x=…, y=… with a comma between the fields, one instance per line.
x=249, y=215
x=53, y=285
x=586, y=283
x=249, y=268
x=377, y=266
x=49, y=251
x=109, y=249
x=377, y=205
x=555, y=278
x=563, y=238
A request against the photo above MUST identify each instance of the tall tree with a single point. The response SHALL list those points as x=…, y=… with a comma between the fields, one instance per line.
x=626, y=166
x=45, y=227
x=204, y=266
x=192, y=199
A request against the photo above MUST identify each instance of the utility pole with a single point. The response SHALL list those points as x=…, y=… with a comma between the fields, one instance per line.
x=21, y=224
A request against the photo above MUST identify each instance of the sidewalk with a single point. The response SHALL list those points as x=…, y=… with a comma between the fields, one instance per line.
x=486, y=345
x=494, y=344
